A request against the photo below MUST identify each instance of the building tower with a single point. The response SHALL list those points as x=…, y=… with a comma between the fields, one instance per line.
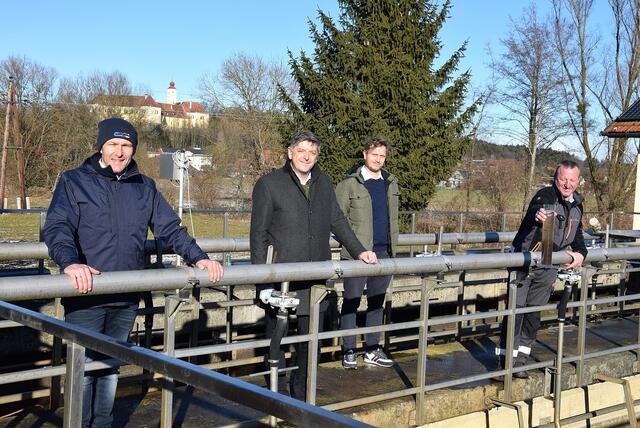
x=171, y=93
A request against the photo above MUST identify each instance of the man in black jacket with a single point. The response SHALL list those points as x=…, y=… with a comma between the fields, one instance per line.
x=295, y=210
x=535, y=285
x=97, y=222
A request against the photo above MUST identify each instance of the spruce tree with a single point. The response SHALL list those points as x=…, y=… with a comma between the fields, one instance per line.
x=374, y=74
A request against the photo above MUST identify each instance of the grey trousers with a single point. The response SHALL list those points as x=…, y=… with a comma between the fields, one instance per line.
x=353, y=291
x=534, y=289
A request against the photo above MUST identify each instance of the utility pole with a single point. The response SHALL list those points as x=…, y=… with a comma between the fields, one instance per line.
x=12, y=113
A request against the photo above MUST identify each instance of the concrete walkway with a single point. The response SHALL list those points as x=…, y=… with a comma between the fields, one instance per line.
x=446, y=361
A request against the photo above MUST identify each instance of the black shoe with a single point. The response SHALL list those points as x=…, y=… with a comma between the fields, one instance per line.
x=521, y=374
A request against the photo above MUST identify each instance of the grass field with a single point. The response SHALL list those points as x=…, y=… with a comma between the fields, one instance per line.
x=25, y=227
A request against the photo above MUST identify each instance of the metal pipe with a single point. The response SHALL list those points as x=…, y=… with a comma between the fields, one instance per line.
x=557, y=387
x=422, y=350
x=171, y=304
x=38, y=250
x=73, y=385
x=22, y=288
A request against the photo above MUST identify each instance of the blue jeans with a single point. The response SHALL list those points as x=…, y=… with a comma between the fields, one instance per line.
x=99, y=387
x=353, y=291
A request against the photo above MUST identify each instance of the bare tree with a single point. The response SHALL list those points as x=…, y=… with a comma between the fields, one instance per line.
x=618, y=91
x=576, y=50
x=611, y=85
x=528, y=87
x=246, y=91
x=35, y=88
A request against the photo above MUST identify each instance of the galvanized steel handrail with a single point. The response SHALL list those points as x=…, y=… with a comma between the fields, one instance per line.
x=38, y=250
x=24, y=287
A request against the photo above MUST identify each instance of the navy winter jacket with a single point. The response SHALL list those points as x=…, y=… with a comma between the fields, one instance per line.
x=97, y=219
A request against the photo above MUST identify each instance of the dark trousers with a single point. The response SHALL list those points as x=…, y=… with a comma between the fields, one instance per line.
x=353, y=290
x=298, y=377
x=99, y=387
x=534, y=289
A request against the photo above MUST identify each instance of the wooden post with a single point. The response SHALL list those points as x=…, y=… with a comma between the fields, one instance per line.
x=5, y=143
x=12, y=111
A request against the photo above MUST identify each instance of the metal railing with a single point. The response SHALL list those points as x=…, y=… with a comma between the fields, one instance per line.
x=38, y=250
x=233, y=389
x=18, y=288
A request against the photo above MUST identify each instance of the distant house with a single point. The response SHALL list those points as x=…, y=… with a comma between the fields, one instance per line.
x=171, y=114
x=454, y=181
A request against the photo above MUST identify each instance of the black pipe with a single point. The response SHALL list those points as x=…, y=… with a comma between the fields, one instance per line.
x=282, y=321
x=562, y=304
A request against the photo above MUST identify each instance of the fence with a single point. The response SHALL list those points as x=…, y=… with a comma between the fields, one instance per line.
x=236, y=222
x=20, y=288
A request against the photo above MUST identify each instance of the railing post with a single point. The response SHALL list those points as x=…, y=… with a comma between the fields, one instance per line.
x=56, y=360
x=511, y=329
x=317, y=294
x=226, y=259
x=423, y=334
x=504, y=222
x=388, y=308
x=586, y=277
x=73, y=385
x=611, y=217
x=461, y=222
x=41, y=239
x=195, y=324
x=171, y=305
x=413, y=231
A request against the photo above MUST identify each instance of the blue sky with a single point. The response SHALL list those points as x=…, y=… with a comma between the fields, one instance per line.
x=156, y=42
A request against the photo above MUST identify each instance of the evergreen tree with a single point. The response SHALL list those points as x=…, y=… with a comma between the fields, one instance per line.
x=375, y=75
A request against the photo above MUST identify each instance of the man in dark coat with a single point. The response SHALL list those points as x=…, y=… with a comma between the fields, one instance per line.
x=295, y=210
x=535, y=285
x=97, y=222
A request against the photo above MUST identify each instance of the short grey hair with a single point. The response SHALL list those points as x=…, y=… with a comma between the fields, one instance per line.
x=305, y=136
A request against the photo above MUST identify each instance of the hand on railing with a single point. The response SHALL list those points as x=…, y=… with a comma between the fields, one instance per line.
x=215, y=269
x=369, y=257
x=81, y=276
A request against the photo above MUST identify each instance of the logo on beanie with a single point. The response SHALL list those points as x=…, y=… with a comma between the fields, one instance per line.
x=122, y=135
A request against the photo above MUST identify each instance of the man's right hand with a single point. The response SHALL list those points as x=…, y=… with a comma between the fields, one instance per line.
x=81, y=276
x=368, y=257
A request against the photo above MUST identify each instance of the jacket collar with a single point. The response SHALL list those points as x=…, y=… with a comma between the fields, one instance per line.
x=577, y=197
x=315, y=172
x=355, y=171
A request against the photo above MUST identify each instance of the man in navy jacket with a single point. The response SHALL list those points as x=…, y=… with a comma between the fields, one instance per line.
x=97, y=222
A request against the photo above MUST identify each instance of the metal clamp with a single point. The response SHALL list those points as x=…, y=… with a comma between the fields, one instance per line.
x=278, y=299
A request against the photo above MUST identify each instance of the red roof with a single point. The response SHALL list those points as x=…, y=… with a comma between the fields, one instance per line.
x=174, y=110
x=172, y=85
x=627, y=129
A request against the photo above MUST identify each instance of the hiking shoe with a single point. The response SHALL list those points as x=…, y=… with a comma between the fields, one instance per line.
x=349, y=360
x=378, y=358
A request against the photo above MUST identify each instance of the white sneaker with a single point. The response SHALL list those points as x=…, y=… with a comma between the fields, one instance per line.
x=378, y=358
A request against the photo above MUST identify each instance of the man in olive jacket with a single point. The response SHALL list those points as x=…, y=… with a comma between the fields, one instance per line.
x=295, y=210
x=368, y=196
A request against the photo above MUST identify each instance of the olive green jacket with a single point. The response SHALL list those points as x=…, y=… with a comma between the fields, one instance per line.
x=355, y=202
